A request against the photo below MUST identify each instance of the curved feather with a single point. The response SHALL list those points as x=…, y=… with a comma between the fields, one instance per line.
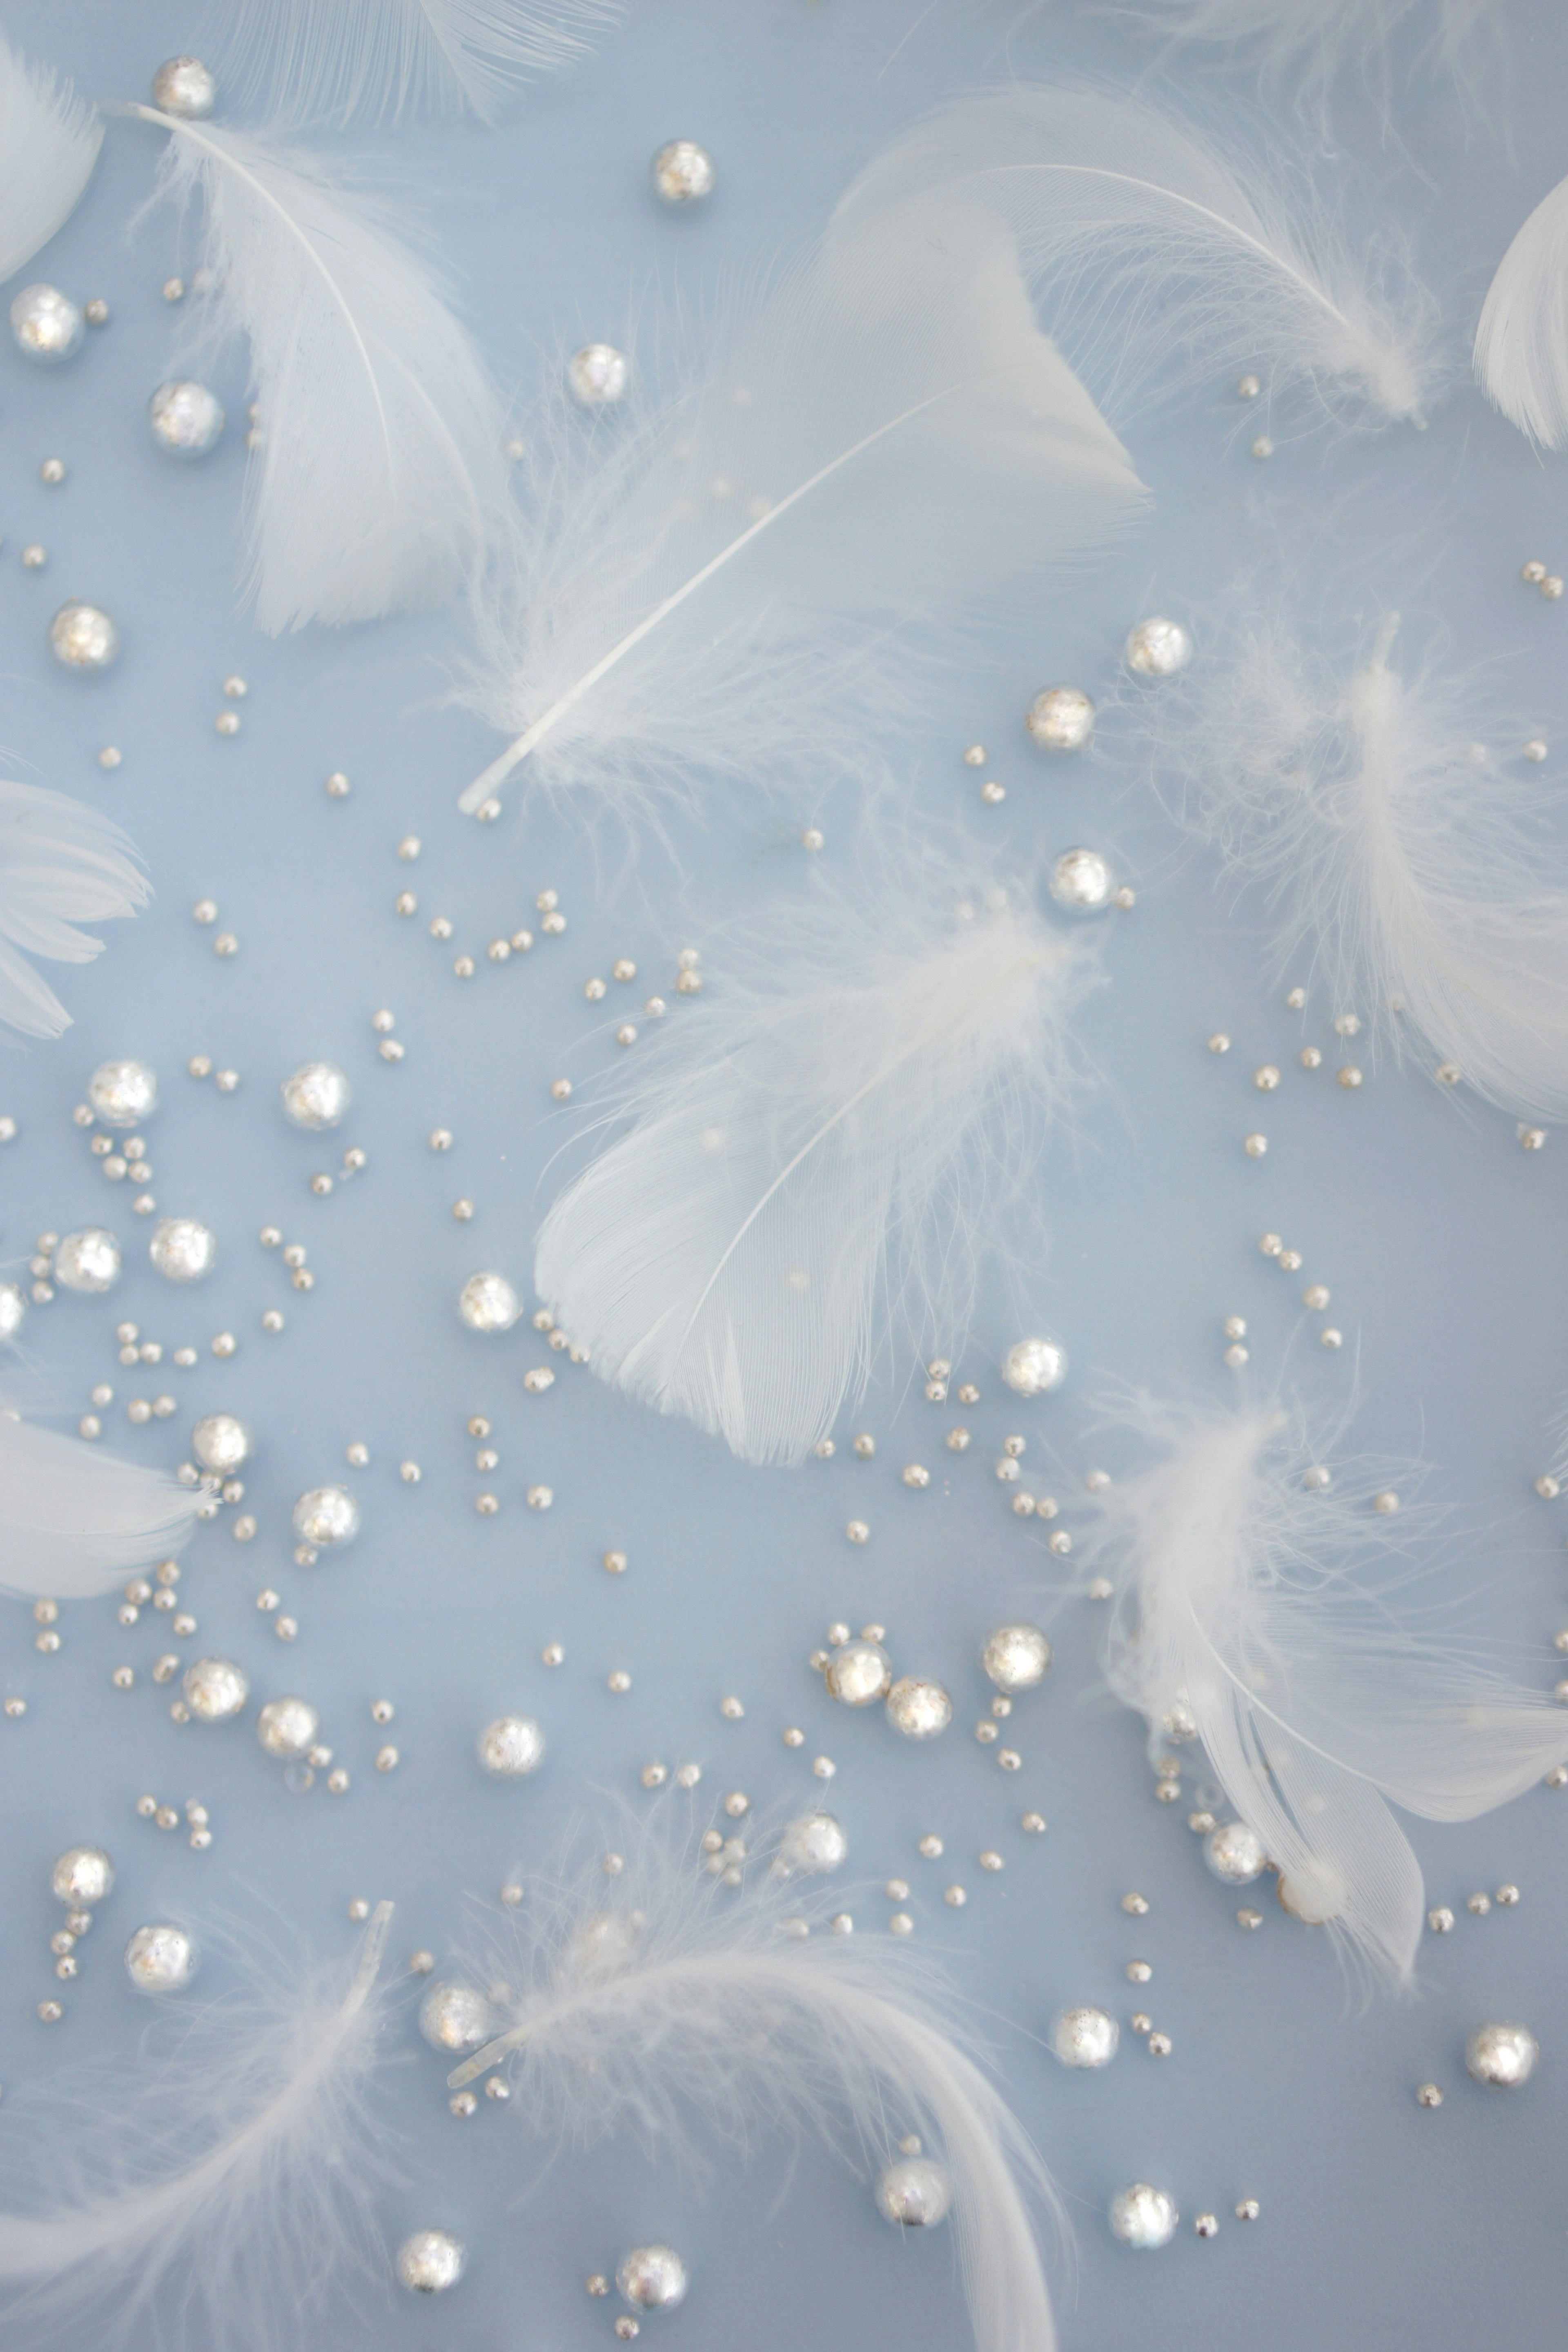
x=1521, y=341
x=379, y=60
x=50, y=140
x=74, y=1519
x=61, y=864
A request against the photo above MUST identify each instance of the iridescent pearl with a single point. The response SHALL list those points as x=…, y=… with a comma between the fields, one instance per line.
x=1503, y=2055
x=13, y=1310
x=858, y=1674
x=184, y=418
x=917, y=1708
x=122, y=1094
x=456, y=2017
x=1060, y=720
x=48, y=325
x=325, y=1516
x=917, y=2193
x=430, y=2262
x=487, y=1302
x=596, y=376
x=1157, y=649
x=221, y=1442
x=652, y=2278
x=1314, y=1894
x=82, y=1876
x=814, y=1841
x=182, y=1250
x=1080, y=878
x=214, y=1688
x=1178, y=1722
x=510, y=1746
x=1234, y=1854
x=682, y=172
x=82, y=636
x=1017, y=1658
x=1032, y=1367
x=161, y=1959
x=87, y=1260
x=183, y=86
x=317, y=1095
x=288, y=1727
x=1084, y=2036
x=1143, y=2217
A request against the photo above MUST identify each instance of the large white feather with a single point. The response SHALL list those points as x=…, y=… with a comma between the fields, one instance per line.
x=379, y=441
x=880, y=439
x=377, y=61
x=74, y=1519
x=1521, y=341
x=1155, y=253
x=49, y=144
x=675, y=2001
x=807, y=1171
x=231, y=2171
x=1277, y=1621
x=61, y=864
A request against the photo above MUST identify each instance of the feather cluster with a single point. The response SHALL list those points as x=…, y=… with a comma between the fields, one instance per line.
x=1521, y=341
x=61, y=865
x=75, y=1520
x=49, y=144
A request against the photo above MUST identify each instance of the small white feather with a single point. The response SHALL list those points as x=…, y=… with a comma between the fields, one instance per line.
x=1521, y=341
x=378, y=454
x=49, y=140
x=61, y=864
x=1311, y=40
x=75, y=1520
x=815, y=1163
x=377, y=61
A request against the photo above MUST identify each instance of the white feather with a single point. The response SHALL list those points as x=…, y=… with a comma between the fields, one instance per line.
x=880, y=440
x=230, y=2171
x=1278, y=1621
x=74, y=1520
x=1521, y=341
x=807, y=1172
x=1154, y=254
x=1310, y=40
x=378, y=60
x=61, y=864
x=49, y=144
x=379, y=434
x=676, y=2000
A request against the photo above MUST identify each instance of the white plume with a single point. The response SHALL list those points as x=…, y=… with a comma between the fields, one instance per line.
x=880, y=440
x=1521, y=342
x=231, y=2169
x=379, y=451
x=49, y=144
x=61, y=864
x=807, y=1172
x=378, y=60
x=74, y=1520
x=671, y=2001
x=1309, y=40
x=1274, y=1620
x=1153, y=254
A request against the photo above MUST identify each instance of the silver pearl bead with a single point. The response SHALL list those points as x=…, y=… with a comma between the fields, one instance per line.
x=184, y=418
x=1178, y=1722
x=82, y=1876
x=1032, y=1367
x=221, y=1443
x=1314, y=1894
x=288, y=1727
x=1084, y=2036
x=1017, y=1658
x=1503, y=2055
x=652, y=2278
x=597, y=375
x=430, y=2262
x=183, y=86
x=858, y=1674
x=682, y=174
x=456, y=2017
x=1234, y=1854
x=326, y=1516
x=13, y=1310
x=814, y=1841
x=511, y=1746
x=487, y=1302
x=920, y=1708
x=161, y=1959
x=916, y=2193
x=214, y=1688
x=1143, y=2217
x=82, y=636
x=48, y=325
x=87, y=1260
x=317, y=1095
x=1060, y=720
x=1157, y=649
x=1080, y=878
x=122, y=1094
x=182, y=1250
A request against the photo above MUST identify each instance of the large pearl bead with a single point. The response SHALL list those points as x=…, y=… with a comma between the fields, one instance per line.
x=682, y=172
x=317, y=1095
x=511, y=1746
x=487, y=1302
x=82, y=636
x=184, y=418
x=221, y=1443
x=1080, y=878
x=183, y=86
x=919, y=1708
x=1017, y=1658
x=214, y=1688
x=1503, y=2055
x=916, y=2193
x=597, y=375
x=1143, y=2217
x=48, y=325
x=1060, y=720
x=88, y=1259
x=454, y=2017
x=326, y=1516
x=287, y=1727
x=1032, y=1367
x=82, y=1876
x=1157, y=649
x=430, y=2262
x=652, y=2278
x=161, y=1959
x=1085, y=2036
x=858, y=1674
x=1314, y=1894
x=122, y=1094
x=182, y=1250
x=814, y=1841
x=1234, y=1854
x=13, y=1310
